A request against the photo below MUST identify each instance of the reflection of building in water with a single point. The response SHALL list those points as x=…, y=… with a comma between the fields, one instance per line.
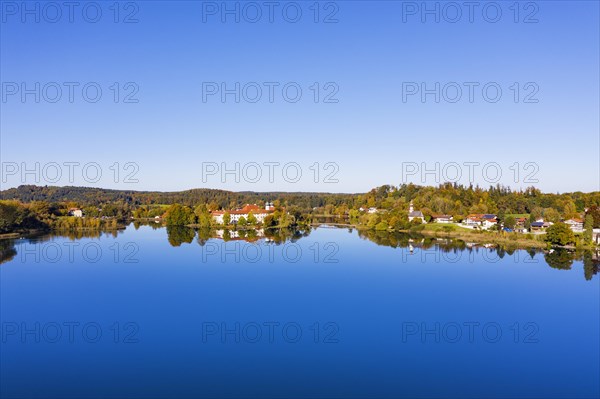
x=243, y=235
x=412, y=244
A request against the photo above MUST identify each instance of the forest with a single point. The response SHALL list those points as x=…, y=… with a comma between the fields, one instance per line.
x=35, y=207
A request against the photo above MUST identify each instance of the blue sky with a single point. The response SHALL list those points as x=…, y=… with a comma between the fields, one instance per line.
x=369, y=53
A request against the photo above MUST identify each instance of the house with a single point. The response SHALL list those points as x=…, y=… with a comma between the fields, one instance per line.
x=539, y=225
x=483, y=220
x=442, y=218
x=370, y=210
x=520, y=225
x=472, y=221
x=575, y=224
x=76, y=212
x=412, y=214
x=237, y=214
x=488, y=223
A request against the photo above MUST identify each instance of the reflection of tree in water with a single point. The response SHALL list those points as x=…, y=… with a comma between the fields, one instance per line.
x=150, y=223
x=204, y=235
x=7, y=251
x=559, y=259
x=274, y=236
x=180, y=234
x=590, y=264
x=384, y=238
x=79, y=234
x=563, y=259
x=281, y=236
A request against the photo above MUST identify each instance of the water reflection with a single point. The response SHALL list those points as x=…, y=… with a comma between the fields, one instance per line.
x=8, y=247
x=7, y=250
x=178, y=235
x=561, y=259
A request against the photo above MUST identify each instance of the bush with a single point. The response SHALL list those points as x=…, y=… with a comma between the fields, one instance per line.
x=418, y=227
x=560, y=234
x=179, y=215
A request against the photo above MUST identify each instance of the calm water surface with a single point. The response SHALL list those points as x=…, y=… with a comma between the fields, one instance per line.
x=151, y=313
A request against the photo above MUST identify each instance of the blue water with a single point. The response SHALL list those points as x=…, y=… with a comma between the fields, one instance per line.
x=330, y=314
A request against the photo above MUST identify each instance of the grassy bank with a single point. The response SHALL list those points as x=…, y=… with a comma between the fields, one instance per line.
x=516, y=240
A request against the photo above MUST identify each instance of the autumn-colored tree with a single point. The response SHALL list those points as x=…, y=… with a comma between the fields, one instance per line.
x=560, y=234
x=226, y=218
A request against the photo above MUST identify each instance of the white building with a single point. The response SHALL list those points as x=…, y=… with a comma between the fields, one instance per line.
x=235, y=215
x=76, y=212
x=488, y=223
x=412, y=214
x=370, y=210
x=576, y=225
x=442, y=219
x=482, y=220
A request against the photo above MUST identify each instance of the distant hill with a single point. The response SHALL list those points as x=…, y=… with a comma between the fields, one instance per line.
x=447, y=198
x=95, y=196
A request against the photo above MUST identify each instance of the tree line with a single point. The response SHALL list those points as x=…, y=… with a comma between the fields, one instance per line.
x=32, y=206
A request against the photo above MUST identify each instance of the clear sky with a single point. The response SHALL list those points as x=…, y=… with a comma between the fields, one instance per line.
x=369, y=126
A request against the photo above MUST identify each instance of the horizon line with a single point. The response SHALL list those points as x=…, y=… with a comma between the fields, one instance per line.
x=472, y=187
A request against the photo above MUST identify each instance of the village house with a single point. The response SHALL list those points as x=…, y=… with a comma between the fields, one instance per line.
x=472, y=221
x=412, y=214
x=520, y=225
x=442, y=218
x=540, y=224
x=537, y=226
x=482, y=220
x=488, y=223
x=370, y=210
x=259, y=213
x=575, y=224
x=76, y=212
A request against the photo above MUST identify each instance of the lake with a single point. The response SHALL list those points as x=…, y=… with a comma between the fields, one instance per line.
x=330, y=312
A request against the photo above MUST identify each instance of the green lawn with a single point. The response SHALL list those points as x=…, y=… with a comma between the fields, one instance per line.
x=440, y=227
